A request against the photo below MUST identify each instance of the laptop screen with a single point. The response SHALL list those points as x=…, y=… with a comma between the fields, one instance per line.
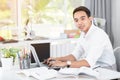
x=42, y=51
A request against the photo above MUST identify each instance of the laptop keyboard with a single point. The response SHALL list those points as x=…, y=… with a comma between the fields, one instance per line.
x=55, y=68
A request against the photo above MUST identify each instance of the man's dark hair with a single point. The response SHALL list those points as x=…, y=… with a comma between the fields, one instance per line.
x=82, y=8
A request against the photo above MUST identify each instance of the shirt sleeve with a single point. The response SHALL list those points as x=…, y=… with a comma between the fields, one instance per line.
x=94, y=53
x=77, y=52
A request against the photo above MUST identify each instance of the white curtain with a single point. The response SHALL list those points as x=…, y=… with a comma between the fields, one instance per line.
x=102, y=9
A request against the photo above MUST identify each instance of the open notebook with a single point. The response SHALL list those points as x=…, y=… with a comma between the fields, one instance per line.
x=43, y=73
x=79, y=71
x=40, y=73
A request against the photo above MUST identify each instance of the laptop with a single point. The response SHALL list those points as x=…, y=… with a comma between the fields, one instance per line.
x=40, y=52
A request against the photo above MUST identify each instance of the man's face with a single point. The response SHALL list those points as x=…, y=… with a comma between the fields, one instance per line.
x=82, y=21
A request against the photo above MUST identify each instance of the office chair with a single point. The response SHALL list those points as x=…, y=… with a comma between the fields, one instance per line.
x=100, y=22
x=117, y=56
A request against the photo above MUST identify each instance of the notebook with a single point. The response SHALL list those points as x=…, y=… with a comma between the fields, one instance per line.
x=79, y=71
x=40, y=73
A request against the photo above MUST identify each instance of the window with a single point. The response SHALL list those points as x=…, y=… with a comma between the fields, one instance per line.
x=49, y=11
x=8, y=17
x=16, y=13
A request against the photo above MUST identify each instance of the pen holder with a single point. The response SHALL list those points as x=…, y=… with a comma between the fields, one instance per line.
x=25, y=61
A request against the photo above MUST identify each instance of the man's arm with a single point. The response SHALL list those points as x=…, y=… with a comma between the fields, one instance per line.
x=74, y=64
x=62, y=59
x=77, y=64
x=66, y=58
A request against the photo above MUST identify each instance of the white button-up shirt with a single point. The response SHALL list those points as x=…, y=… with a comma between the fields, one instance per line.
x=95, y=47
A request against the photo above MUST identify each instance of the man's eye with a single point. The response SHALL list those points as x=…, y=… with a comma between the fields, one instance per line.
x=76, y=20
x=82, y=18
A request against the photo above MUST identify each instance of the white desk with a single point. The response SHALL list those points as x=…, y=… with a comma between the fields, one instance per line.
x=105, y=74
x=12, y=75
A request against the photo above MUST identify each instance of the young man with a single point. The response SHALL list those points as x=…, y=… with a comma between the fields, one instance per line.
x=94, y=47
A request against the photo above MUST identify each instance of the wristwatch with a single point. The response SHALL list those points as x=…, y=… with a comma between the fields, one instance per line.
x=68, y=64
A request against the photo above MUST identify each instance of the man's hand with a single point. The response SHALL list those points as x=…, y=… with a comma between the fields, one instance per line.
x=47, y=61
x=53, y=62
x=57, y=63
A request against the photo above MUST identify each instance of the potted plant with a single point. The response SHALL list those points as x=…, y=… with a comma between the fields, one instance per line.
x=8, y=56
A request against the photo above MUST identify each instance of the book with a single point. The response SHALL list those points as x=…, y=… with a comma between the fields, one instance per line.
x=79, y=71
x=43, y=73
x=40, y=73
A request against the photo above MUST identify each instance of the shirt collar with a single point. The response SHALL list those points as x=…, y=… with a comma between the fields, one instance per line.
x=89, y=31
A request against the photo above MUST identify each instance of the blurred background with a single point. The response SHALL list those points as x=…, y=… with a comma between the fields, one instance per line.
x=50, y=18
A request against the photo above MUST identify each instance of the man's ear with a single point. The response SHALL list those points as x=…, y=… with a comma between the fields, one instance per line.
x=91, y=18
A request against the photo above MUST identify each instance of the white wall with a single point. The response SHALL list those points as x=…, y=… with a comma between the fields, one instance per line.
x=116, y=22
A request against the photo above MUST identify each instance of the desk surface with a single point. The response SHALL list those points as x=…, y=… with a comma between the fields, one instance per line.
x=12, y=75
x=105, y=74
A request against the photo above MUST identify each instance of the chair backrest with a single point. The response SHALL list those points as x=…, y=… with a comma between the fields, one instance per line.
x=100, y=22
x=117, y=56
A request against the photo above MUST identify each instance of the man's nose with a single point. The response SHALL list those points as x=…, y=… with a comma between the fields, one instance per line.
x=79, y=22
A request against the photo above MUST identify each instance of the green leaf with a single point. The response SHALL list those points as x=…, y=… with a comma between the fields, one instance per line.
x=14, y=50
x=40, y=5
